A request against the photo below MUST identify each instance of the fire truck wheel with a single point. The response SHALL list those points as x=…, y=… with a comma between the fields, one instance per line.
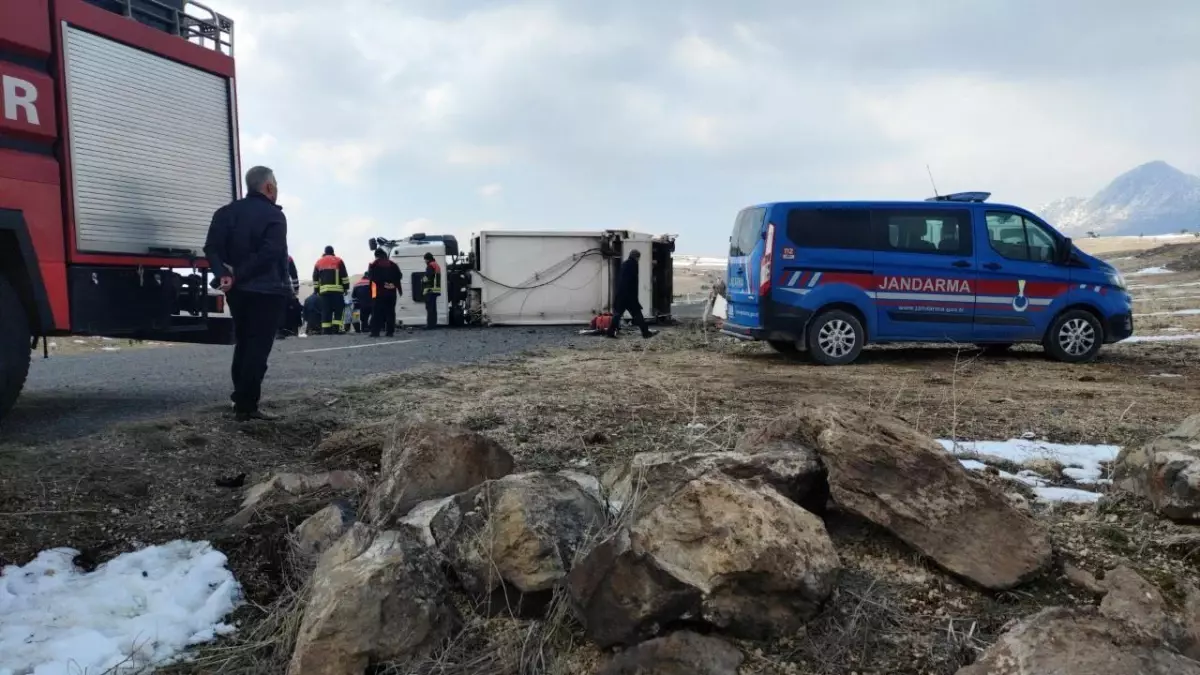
x=14, y=346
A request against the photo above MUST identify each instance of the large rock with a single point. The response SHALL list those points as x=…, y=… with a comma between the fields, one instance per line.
x=388, y=602
x=642, y=482
x=1135, y=601
x=424, y=461
x=682, y=653
x=512, y=540
x=736, y=555
x=1166, y=471
x=288, y=487
x=887, y=472
x=1068, y=641
x=322, y=529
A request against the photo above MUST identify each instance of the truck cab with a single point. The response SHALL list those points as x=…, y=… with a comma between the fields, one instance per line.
x=118, y=140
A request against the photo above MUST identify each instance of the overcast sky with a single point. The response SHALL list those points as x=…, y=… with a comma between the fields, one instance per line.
x=395, y=116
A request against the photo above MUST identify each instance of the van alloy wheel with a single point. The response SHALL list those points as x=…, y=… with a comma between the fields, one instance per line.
x=836, y=338
x=1076, y=337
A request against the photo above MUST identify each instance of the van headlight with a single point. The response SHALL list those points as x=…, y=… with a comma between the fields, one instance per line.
x=1117, y=279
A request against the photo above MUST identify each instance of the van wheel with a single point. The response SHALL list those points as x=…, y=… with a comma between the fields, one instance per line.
x=15, y=347
x=785, y=347
x=835, y=338
x=1074, y=337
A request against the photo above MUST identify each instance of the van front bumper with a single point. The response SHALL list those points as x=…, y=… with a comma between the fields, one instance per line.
x=1119, y=327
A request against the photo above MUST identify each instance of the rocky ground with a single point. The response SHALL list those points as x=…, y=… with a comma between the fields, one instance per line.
x=873, y=585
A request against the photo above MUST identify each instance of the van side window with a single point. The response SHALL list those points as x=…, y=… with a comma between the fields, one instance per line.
x=830, y=228
x=1018, y=238
x=941, y=231
x=747, y=232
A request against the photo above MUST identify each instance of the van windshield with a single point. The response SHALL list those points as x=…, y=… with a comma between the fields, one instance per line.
x=747, y=232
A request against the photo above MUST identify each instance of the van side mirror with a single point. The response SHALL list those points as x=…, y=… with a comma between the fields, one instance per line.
x=373, y=243
x=1065, y=251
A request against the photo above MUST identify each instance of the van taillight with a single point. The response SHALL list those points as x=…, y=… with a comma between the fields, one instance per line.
x=764, y=267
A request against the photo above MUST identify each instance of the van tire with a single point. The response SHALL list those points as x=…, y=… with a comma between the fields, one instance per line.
x=1074, y=336
x=785, y=347
x=842, y=334
x=15, y=348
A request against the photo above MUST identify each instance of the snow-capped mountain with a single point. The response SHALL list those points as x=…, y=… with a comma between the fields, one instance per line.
x=1154, y=198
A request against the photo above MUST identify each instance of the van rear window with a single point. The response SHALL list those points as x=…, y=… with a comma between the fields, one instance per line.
x=830, y=228
x=747, y=232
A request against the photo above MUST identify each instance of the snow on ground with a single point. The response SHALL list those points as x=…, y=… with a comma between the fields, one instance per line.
x=1161, y=338
x=1151, y=270
x=139, y=609
x=698, y=261
x=1152, y=286
x=1178, y=312
x=1082, y=464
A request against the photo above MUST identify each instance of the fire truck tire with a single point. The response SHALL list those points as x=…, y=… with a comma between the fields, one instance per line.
x=15, y=348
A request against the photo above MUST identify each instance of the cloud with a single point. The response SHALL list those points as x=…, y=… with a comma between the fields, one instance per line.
x=491, y=190
x=674, y=115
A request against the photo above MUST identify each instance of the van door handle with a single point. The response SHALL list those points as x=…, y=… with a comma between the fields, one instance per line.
x=960, y=263
x=991, y=266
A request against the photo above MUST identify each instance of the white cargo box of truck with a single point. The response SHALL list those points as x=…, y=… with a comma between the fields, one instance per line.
x=562, y=277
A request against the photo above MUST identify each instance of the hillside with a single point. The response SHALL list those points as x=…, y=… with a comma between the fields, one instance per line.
x=1154, y=198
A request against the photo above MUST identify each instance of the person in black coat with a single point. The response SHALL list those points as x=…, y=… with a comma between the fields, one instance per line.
x=627, y=298
x=247, y=251
x=312, y=313
x=385, y=279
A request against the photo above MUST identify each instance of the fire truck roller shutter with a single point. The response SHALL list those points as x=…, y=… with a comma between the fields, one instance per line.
x=151, y=147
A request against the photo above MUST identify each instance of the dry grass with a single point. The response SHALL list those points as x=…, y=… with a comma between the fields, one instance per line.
x=590, y=409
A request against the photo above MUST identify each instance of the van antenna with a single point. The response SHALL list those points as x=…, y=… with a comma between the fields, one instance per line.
x=930, y=172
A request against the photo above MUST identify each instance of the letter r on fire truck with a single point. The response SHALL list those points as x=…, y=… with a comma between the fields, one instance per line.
x=20, y=100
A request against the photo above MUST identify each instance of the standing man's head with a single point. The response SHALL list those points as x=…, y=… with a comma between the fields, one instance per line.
x=380, y=254
x=635, y=254
x=328, y=250
x=428, y=257
x=260, y=179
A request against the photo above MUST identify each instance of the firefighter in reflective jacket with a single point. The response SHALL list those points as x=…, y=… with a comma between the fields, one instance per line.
x=362, y=302
x=385, y=279
x=431, y=288
x=332, y=282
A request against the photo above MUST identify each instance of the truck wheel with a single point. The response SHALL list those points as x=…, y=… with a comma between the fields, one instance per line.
x=835, y=338
x=1074, y=337
x=14, y=346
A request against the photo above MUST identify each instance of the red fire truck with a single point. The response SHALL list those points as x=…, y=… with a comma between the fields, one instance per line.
x=118, y=140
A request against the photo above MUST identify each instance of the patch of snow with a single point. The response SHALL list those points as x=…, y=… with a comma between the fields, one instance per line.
x=696, y=426
x=110, y=349
x=138, y=610
x=1149, y=286
x=972, y=464
x=1161, y=338
x=1067, y=495
x=1151, y=270
x=79, y=342
x=615, y=506
x=582, y=461
x=1031, y=478
x=1086, y=458
x=1167, y=375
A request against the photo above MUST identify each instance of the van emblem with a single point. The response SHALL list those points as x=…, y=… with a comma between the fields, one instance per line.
x=1020, y=303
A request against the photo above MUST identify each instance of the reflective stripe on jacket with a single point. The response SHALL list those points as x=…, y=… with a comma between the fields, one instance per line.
x=329, y=275
x=431, y=283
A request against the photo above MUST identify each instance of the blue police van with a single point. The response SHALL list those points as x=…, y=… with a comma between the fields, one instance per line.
x=827, y=278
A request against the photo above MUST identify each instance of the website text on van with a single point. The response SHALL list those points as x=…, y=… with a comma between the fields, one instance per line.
x=828, y=277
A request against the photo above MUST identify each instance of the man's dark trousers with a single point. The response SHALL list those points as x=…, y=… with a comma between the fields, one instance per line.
x=635, y=317
x=333, y=307
x=383, y=314
x=431, y=310
x=256, y=318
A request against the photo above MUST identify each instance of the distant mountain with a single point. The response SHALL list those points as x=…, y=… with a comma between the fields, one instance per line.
x=1154, y=198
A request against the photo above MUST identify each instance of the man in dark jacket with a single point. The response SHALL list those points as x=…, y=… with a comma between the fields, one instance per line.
x=292, y=316
x=385, y=277
x=627, y=297
x=247, y=251
x=332, y=282
x=312, y=313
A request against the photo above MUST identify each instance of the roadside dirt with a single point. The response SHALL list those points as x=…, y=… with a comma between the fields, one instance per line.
x=593, y=407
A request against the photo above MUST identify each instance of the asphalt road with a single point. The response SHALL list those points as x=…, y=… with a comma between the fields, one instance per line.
x=68, y=396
